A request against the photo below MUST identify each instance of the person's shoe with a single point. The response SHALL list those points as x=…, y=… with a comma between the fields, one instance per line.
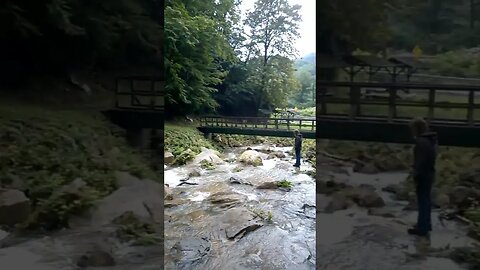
x=295, y=165
x=416, y=231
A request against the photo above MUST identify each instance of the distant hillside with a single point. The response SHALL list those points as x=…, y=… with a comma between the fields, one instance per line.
x=310, y=58
x=306, y=62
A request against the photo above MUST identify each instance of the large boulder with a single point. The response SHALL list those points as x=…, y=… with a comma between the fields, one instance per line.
x=144, y=198
x=14, y=207
x=365, y=197
x=277, y=154
x=210, y=156
x=462, y=195
x=251, y=157
x=338, y=201
x=168, y=158
x=367, y=168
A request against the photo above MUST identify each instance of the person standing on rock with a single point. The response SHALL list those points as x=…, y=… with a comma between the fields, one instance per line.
x=298, y=148
x=424, y=156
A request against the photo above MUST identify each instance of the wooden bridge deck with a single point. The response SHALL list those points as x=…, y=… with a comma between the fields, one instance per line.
x=257, y=126
x=349, y=111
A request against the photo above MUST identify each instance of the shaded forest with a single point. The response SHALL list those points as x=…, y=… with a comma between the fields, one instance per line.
x=215, y=60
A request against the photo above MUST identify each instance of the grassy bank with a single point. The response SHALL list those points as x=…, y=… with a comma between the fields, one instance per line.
x=184, y=141
x=43, y=150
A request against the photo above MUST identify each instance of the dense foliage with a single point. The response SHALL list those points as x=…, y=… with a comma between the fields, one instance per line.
x=55, y=36
x=213, y=64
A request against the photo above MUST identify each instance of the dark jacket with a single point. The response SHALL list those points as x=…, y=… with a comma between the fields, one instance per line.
x=425, y=154
x=298, y=142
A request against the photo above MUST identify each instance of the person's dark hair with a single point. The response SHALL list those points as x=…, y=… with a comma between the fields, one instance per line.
x=296, y=132
x=418, y=126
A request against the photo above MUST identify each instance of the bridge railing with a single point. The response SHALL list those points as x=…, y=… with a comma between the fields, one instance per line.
x=305, y=124
x=140, y=93
x=393, y=102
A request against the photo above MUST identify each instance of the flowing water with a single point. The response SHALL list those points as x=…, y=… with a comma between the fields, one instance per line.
x=286, y=241
x=352, y=239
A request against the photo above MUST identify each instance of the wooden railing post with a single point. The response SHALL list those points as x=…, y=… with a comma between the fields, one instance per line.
x=431, y=105
x=132, y=95
x=471, y=104
x=354, y=102
x=392, y=112
x=276, y=123
x=323, y=92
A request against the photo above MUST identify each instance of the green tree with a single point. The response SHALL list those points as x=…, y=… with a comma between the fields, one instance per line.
x=197, y=44
x=273, y=26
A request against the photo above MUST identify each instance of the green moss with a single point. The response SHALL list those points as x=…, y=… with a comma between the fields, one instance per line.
x=285, y=184
x=207, y=165
x=132, y=229
x=48, y=149
x=185, y=142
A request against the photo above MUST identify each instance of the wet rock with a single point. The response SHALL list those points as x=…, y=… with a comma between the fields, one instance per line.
x=461, y=195
x=367, y=186
x=277, y=154
x=338, y=202
x=125, y=179
x=96, y=258
x=470, y=178
x=226, y=199
x=238, y=222
x=174, y=203
x=329, y=187
x=208, y=155
x=365, y=197
x=381, y=212
x=440, y=199
x=144, y=198
x=391, y=189
x=268, y=185
x=3, y=235
x=367, y=168
x=190, y=252
x=12, y=181
x=265, y=150
x=194, y=173
x=168, y=194
x=239, y=181
x=74, y=187
x=168, y=158
x=14, y=207
x=251, y=157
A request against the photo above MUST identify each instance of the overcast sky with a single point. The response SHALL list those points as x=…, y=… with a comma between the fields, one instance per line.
x=305, y=44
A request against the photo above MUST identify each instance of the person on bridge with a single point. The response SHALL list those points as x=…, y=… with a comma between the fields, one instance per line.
x=298, y=148
x=424, y=156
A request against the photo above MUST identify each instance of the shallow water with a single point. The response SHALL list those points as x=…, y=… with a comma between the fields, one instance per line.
x=352, y=239
x=285, y=242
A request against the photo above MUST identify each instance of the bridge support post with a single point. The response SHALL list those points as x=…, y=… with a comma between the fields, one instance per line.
x=140, y=138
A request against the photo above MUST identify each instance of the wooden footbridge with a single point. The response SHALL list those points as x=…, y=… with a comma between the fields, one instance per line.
x=365, y=111
x=258, y=126
x=358, y=111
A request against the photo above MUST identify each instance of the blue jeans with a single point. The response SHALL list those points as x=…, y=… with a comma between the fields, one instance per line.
x=297, y=157
x=424, y=201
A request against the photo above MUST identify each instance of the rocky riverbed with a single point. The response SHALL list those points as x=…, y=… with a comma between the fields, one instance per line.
x=362, y=223
x=246, y=209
